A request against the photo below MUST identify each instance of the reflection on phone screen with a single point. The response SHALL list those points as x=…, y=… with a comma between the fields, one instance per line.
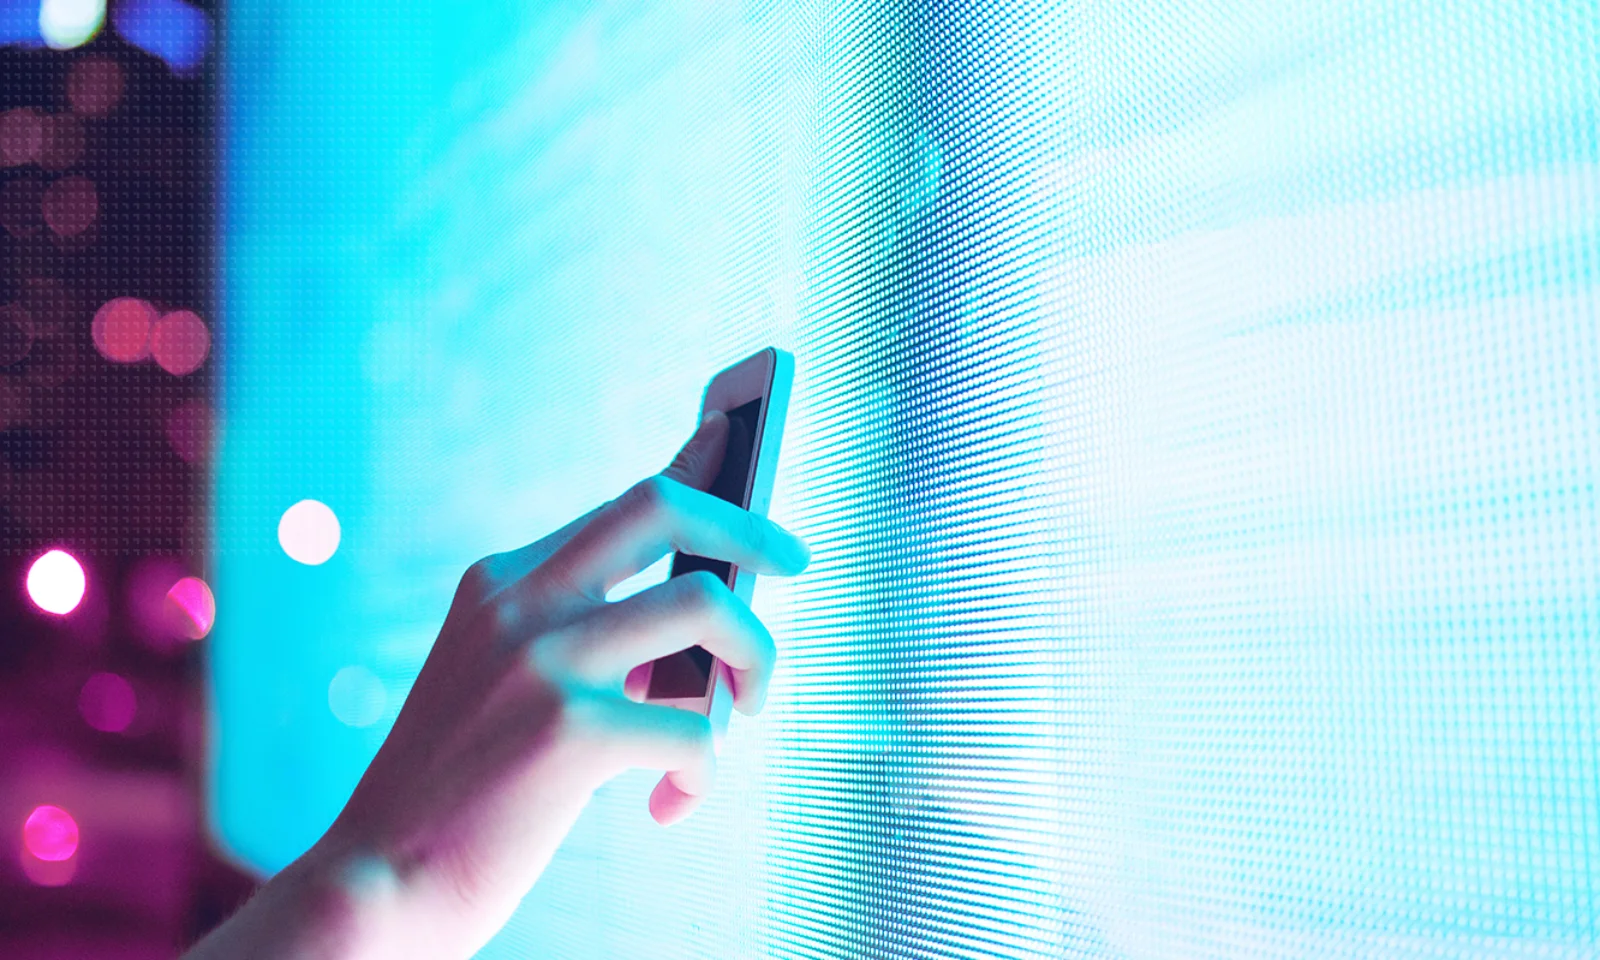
x=687, y=674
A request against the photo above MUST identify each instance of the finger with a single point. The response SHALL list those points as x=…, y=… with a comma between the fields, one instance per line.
x=696, y=465
x=660, y=514
x=637, y=683
x=513, y=565
x=669, y=803
x=693, y=609
x=665, y=738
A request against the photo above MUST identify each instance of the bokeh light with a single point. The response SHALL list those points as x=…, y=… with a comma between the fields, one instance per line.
x=47, y=873
x=357, y=697
x=94, y=86
x=70, y=206
x=56, y=582
x=107, y=702
x=180, y=341
x=50, y=833
x=191, y=607
x=21, y=136
x=145, y=587
x=121, y=329
x=65, y=24
x=309, y=532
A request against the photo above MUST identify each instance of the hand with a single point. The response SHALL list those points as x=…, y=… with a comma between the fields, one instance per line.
x=521, y=712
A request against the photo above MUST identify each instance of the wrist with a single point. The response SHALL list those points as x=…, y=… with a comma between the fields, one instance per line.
x=331, y=904
x=347, y=898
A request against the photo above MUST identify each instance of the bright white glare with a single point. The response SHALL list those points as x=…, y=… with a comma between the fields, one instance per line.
x=65, y=24
x=309, y=532
x=56, y=582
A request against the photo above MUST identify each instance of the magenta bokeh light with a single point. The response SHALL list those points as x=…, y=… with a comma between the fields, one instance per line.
x=21, y=136
x=56, y=582
x=70, y=206
x=94, y=86
x=192, y=607
x=121, y=329
x=180, y=342
x=107, y=703
x=50, y=833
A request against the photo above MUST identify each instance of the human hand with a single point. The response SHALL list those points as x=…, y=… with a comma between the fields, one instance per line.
x=523, y=709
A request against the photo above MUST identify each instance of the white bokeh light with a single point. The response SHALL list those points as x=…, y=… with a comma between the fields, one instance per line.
x=56, y=582
x=309, y=532
x=65, y=24
x=357, y=697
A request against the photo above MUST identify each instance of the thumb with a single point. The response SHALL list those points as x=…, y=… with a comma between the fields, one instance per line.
x=696, y=465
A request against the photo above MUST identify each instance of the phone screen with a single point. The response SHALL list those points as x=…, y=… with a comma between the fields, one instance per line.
x=687, y=674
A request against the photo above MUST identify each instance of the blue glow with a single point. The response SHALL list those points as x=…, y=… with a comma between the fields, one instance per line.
x=1195, y=424
x=19, y=23
x=169, y=29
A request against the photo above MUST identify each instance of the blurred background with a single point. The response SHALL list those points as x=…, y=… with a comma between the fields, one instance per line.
x=107, y=200
x=1195, y=423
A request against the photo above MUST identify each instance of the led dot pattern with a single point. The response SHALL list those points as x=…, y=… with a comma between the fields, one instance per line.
x=1195, y=429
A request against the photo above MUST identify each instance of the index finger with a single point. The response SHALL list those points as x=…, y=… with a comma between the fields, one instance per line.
x=660, y=514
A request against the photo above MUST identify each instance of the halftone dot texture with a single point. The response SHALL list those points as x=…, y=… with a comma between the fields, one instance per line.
x=1195, y=427
x=106, y=227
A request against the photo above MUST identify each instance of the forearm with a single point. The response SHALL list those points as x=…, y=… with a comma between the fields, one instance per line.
x=325, y=906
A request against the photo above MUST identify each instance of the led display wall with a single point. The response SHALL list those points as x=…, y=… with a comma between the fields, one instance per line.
x=1196, y=427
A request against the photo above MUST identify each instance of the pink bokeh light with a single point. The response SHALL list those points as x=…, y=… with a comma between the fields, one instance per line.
x=70, y=206
x=107, y=703
x=94, y=86
x=146, y=586
x=47, y=873
x=21, y=136
x=121, y=329
x=56, y=582
x=180, y=342
x=50, y=833
x=192, y=607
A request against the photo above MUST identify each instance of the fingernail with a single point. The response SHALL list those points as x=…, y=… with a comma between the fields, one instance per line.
x=801, y=552
x=711, y=415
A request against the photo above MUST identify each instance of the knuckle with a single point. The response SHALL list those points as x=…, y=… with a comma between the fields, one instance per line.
x=697, y=730
x=650, y=496
x=688, y=462
x=701, y=592
x=546, y=657
x=478, y=580
x=572, y=714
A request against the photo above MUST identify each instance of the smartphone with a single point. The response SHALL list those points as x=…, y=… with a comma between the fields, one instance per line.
x=754, y=394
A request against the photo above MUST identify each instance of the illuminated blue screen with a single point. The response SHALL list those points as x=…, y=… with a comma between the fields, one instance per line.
x=1196, y=424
